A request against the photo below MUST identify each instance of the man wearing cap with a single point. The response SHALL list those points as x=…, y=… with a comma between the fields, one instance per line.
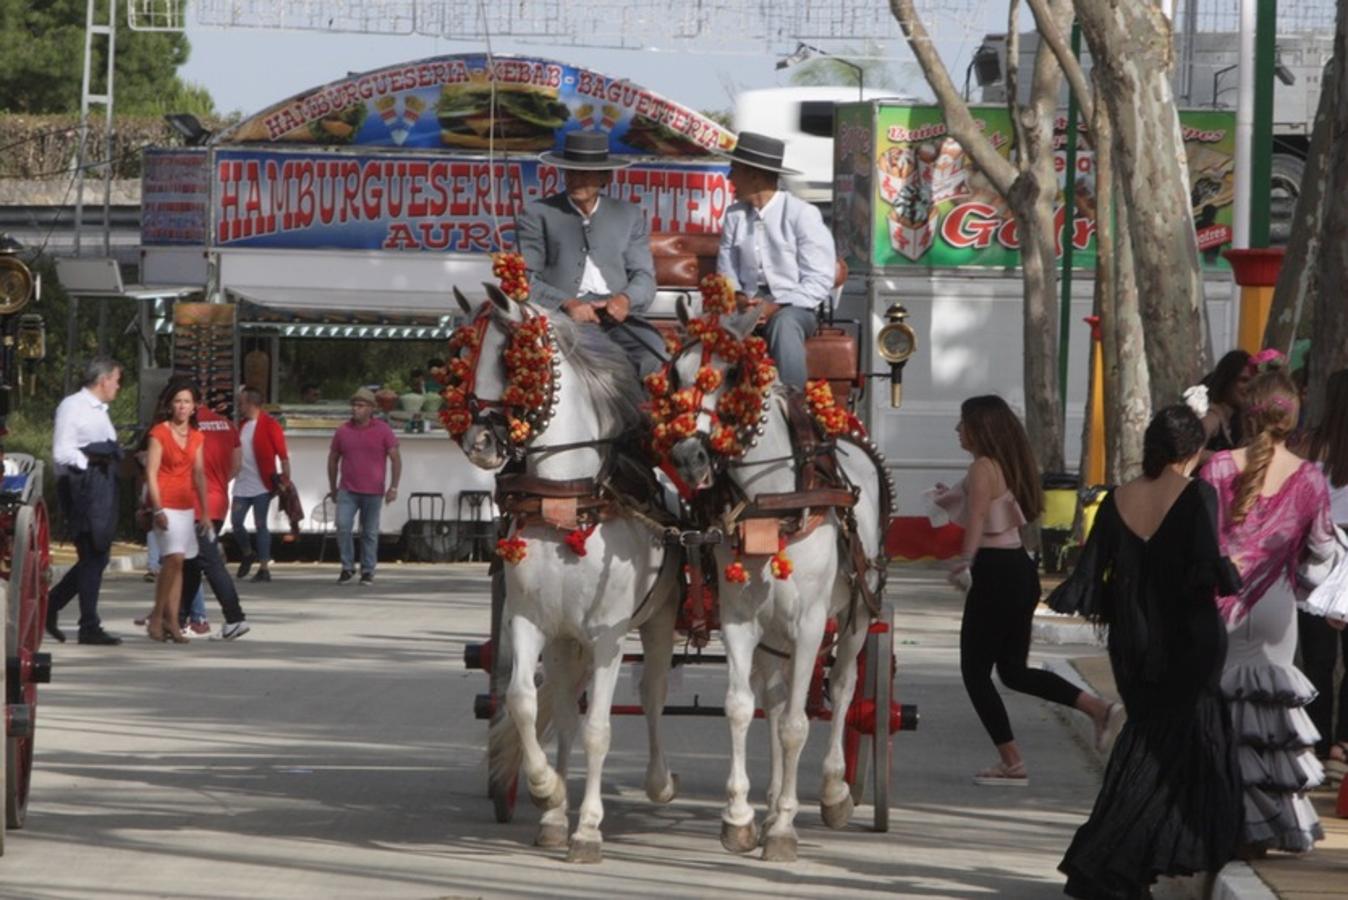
x=777, y=251
x=590, y=255
x=359, y=449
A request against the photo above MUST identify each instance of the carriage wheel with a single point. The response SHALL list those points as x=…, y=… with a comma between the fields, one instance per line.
x=880, y=676
x=502, y=795
x=23, y=638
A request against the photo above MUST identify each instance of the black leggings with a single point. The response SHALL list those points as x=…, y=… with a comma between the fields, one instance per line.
x=1319, y=658
x=998, y=613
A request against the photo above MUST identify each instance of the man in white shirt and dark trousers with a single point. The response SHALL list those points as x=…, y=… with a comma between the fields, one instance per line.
x=777, y=251
x=85, y=451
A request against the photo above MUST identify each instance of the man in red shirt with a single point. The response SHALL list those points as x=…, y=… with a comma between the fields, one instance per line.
x=263, y=443
x=221, y=455
x=360, y=449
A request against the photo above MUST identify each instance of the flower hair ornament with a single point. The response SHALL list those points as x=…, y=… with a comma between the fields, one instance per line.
x=1196, y=398
x=1282, y=404
x=1267, y=360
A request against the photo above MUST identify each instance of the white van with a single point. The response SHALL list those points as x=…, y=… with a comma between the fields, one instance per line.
x=803, y=117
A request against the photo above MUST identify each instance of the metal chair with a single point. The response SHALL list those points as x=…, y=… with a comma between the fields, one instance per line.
x=326, y=517
x=479, y=529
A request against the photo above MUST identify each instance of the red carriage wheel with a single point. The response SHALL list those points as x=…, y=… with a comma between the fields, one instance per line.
x=30, y=560
x=880, y=675
x=502, y=793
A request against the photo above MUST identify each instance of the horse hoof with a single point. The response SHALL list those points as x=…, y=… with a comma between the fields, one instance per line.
x=779, y=848
x=667, y=793
x=551, y=836
x=585, y=852
x=837, y=815
x=739, y=838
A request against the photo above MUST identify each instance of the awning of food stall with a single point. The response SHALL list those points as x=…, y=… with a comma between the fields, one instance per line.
x=329, y=313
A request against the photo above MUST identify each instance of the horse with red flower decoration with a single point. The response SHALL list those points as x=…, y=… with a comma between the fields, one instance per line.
x=582, y=567
x=803, y=498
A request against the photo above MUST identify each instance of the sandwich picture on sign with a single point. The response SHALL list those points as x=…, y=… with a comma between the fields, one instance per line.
x=526, y=117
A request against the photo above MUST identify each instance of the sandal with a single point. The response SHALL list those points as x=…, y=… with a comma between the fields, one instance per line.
x=1011, y=776
x=1107, y=729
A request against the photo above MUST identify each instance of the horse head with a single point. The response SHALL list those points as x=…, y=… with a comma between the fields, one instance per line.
x=717, y=407
x=493, y=409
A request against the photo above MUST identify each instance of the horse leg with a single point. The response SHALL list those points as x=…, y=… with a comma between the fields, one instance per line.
x=772, y=690
x=835, y=797
x=780, y=843
x=587, y=841
x=738, y=833
x=562, y=666
x=657, y=643
x=545, y=787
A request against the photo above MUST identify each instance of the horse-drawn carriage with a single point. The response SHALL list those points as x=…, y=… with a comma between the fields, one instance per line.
x=810, y=550
x=25, y=558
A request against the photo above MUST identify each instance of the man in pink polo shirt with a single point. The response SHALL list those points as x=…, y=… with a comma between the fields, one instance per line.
x=358, y=453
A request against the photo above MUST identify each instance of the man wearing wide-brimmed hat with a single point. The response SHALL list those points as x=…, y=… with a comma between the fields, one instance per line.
x=777, y=250
x=590, y=255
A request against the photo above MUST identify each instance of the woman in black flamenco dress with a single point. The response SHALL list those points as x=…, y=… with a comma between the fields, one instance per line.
x=1171, y=802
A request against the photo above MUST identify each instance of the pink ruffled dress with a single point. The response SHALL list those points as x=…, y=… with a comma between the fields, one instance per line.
x=1282, y=535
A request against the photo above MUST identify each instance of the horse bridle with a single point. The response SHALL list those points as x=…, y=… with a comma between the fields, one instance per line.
x=490, y=413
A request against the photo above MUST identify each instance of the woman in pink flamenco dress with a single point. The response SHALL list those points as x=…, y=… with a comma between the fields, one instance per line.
x=1274, y=524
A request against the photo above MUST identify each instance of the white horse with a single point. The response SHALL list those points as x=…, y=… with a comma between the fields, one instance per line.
x=574, y=610
x=772, y=628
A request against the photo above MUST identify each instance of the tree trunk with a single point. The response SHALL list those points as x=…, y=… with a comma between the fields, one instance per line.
x=1030, y=190
x=1329, y=348
x=1301, y=264
x=1130, y=44
x=1131, y=348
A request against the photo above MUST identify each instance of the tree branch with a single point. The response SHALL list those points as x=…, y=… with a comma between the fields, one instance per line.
x=959, y=123
x=1013, y=83
x=1071, y=66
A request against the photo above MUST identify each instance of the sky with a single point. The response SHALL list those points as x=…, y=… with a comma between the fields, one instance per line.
x=250, y=69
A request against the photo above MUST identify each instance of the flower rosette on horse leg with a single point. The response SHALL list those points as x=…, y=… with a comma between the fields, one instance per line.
x=577, y=568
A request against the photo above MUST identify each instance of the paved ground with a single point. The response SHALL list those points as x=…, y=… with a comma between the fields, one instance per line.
x=333, y=753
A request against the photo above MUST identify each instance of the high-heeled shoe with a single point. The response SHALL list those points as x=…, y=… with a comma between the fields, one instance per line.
x=155, y=635
x=177, y=637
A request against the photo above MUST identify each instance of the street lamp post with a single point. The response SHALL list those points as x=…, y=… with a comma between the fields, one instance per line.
x=804, y=51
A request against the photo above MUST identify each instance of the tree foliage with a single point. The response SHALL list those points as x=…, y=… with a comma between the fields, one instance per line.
x=41, y=65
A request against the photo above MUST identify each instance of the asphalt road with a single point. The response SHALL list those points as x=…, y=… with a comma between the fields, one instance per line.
x=333, y=753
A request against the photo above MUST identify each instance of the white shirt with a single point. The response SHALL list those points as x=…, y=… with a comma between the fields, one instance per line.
x=81, y=419
x=591, y=280
x=1338, y=499
x=248, y=483
x=785, y=246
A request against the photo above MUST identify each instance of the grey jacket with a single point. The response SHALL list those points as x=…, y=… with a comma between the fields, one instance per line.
x=552, y=240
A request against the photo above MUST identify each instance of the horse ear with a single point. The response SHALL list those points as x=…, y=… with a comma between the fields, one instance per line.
x=497, y=296
x=743, y=324
x=463, y=302
x=682, y=311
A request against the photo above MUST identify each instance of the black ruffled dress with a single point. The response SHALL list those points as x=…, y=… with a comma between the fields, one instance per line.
x=1171, y=802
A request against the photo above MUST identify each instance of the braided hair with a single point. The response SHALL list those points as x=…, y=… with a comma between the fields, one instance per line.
x=1271, y=408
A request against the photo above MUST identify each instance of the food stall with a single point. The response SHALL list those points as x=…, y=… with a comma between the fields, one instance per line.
x=919, y=225
x=348, y=212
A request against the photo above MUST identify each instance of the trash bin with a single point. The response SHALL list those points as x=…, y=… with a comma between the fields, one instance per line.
x=1060, y=509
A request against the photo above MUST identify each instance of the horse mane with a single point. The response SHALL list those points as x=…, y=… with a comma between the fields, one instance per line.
x=604, y=368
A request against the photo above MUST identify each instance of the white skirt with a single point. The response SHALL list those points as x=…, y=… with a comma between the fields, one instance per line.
x=181, y=534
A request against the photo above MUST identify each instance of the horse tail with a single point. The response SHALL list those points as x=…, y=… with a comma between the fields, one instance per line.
x=565, y=672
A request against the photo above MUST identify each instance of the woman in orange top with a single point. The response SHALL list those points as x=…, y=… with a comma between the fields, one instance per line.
x=176, y=478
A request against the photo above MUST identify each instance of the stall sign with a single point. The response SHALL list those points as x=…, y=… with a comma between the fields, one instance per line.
x=174, y=189
x=317, y=200
x=907, y=194
x=469, y=103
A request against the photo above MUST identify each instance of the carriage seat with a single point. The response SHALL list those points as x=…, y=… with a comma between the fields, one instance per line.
x=683, y=259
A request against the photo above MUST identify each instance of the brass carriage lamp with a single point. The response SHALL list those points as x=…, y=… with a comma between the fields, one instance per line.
x=32, y=338
x=896, y=342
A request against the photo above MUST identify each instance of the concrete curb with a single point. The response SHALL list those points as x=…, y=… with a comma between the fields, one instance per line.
x=1236, y=881
x=133, y=562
